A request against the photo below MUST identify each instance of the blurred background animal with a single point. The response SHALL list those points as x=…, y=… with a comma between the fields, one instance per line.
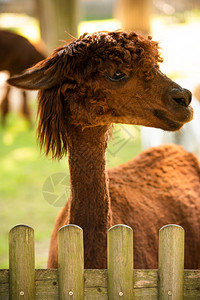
x=16, y=55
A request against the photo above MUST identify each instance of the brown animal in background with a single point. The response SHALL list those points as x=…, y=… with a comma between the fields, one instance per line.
x=85, y=86
x=16, y=55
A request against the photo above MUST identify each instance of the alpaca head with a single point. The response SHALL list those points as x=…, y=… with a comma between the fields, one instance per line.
x=103, y=78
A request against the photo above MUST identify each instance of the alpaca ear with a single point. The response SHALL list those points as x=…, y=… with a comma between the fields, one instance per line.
x=35, y=78
x=44, y=75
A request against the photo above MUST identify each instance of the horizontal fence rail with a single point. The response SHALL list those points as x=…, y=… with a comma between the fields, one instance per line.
x=120, y=281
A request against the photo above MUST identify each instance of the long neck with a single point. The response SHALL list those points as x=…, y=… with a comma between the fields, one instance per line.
x=89, y=206
x=89, y=183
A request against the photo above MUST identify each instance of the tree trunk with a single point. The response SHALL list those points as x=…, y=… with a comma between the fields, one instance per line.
x=134, y=15
x=57, y=18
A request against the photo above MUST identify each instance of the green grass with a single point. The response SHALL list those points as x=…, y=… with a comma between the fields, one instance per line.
x=24, y=171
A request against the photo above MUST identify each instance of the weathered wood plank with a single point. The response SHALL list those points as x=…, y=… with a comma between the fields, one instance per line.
x=171, y=263
x=95, y=277
x=120, y=263
x=4, y=284
x=192, y=284
x=21, y=263
x=95, y=285
x=46, y=284
x=70, y=263
x=145, y=278
x=145, y=284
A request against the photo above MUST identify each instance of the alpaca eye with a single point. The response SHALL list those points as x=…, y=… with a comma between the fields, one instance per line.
x=117, y=76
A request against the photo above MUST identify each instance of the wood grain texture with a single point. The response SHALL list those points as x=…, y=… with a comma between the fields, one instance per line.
x=70, y=262
x=22, y=263
x=120, y=263
x=145, y=284
x=171, y=262
x=46, y=284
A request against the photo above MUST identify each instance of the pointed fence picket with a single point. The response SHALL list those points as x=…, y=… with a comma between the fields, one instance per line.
x=119, y=281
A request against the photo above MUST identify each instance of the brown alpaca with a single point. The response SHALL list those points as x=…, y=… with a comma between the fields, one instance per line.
x=16, y=55
x=85, y=86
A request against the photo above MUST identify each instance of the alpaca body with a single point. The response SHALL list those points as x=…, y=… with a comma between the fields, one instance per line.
x=84, y=87
x=161, y=186
x=165, y=192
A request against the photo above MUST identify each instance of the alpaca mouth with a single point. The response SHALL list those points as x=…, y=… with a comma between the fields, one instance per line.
x=176, y=121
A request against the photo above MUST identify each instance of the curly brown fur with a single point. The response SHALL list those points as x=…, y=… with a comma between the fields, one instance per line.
x=84, y=87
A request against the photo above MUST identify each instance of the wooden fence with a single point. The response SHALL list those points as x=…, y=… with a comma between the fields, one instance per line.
x=119, y=281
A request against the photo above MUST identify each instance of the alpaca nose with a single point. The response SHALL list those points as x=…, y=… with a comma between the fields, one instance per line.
x=181, y=96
